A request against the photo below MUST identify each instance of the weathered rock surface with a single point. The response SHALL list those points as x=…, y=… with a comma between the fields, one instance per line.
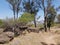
x=30, y=29
x=6, y=37
x=1, y=30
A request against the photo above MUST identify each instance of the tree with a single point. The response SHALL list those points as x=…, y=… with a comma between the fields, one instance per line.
x=31, y=7
x=18, y=2
x=51, y=16
x=58, y=18
x=12, y=3
x=14, y=6
x=26, y=18
x=44, y=5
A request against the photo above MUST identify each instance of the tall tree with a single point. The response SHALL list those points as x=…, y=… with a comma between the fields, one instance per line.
x=51, y=16
x=15, y=6
x=31, y=7
x=12, y=3
x=18, y=2
x=44, y=5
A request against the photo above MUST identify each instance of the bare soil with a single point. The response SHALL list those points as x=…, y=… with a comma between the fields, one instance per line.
x=41, y=38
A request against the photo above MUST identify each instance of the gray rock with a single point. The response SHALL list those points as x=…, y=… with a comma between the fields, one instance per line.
x=30, y=29
x=6, y=37
x=1, y=30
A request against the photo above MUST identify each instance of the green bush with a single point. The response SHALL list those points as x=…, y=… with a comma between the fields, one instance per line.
x=1, y=23
x=25, y=18
x=4, y=23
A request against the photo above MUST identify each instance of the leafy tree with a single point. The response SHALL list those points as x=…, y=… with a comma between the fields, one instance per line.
x=51, y=16
x=31, y=7
x=26, y=17
x=44, y=5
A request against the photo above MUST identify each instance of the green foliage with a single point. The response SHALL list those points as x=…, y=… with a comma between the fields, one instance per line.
x=30, y=6
x=4, y=23
x=51, y=16
x=26, y=17
x=1, y=23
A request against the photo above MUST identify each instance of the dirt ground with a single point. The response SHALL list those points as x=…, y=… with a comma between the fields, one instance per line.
x=41, y=38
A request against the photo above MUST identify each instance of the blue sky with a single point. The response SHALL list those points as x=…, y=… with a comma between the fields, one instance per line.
x=5, y=10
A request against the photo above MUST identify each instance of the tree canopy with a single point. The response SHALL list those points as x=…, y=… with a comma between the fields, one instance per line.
x=26, y=17
x=51, y=16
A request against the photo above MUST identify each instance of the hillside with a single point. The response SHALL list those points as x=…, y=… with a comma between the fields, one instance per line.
x=41, y=38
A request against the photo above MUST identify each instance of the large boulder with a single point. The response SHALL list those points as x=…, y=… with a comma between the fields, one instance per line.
x=9, y=34
x=19, y=30
x=6, y=37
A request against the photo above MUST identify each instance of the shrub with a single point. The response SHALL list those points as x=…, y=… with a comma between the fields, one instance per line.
x=25, y=18
x=1, y=23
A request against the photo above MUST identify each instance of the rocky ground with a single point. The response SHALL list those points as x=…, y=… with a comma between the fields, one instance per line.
x=41, y=38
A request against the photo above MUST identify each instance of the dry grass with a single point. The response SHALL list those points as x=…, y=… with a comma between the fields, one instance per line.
x=41, y=38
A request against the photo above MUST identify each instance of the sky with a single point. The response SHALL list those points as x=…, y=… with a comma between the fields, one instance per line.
x=5, y=10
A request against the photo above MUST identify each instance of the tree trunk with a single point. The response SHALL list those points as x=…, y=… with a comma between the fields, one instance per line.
x=17, y=15
x=14, y=15
x=14, y=22
x=35, y=20
x=45, y=20
x=45, y=24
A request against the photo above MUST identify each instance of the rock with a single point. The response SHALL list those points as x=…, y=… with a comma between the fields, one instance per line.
x=8, y=28
x=41, y=29
x=23, y=27
x=30, y=29
x=9, y=34
x=43, y=43
x=6, y=37
x=1, y=30
x=20, y=30
x=17, y=32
